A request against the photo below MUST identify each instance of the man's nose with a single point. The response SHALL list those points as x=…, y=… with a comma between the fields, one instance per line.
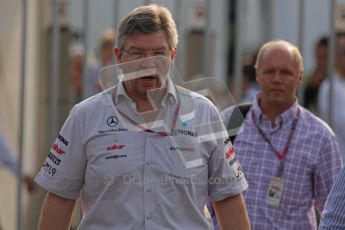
x=277, y=76
x=148, y=62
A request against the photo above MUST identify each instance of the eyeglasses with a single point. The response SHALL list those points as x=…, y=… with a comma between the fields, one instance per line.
x=138, y=54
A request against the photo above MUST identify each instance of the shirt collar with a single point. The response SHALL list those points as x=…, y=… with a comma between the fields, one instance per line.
x=282, y=119
x=121, y=94
x=171, y=95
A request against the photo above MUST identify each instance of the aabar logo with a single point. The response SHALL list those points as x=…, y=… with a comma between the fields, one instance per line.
x=231, y=156
x=58, y=149
x=115, y=147
x=230, y=152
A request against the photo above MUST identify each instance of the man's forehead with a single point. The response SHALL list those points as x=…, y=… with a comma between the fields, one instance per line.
x=277, y=56
x=278, y=50
x=154, y=48
x=155, y=40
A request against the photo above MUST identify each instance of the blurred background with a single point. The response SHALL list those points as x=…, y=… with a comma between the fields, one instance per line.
x=51, y=52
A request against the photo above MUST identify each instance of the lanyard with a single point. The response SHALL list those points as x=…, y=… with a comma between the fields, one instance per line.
x=161, y=133
x=280, y=155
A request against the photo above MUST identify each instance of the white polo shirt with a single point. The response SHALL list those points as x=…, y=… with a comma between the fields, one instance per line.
x=128, y=178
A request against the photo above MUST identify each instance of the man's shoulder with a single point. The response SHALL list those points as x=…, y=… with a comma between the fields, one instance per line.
x=93, y=104
x=312, y=120
x=98, y=99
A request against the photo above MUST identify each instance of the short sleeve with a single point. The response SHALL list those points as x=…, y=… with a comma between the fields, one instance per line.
x=225, y=172
x=63, y=170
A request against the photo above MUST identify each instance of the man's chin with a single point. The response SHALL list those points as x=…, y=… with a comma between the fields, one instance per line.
x=277, y=101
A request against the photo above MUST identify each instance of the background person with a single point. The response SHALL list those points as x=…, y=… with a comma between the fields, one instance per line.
x=251, y=87
x=113, y=153
x=289, y=156
x=106, y=58
x=7, y=159
x=76, y=72
x=338, y=96
x=319, y=74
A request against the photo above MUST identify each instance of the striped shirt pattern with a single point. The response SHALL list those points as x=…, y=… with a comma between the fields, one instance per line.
x=333, y=215
x=311, y=166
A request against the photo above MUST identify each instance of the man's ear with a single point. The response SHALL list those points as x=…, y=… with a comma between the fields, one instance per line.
x=257, y=76
x=173, y=53
x=117, y=53
x=300, y=77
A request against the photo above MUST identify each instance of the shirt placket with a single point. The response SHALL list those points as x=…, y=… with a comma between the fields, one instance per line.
x=149, y=180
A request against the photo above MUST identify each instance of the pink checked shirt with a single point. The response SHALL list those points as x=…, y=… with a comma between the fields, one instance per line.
x=311, y=166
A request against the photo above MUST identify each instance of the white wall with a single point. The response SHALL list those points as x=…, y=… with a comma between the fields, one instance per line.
x=253, y=26
x=9, y=81
x=101, y=17
x=10, y=76
x=286, y=24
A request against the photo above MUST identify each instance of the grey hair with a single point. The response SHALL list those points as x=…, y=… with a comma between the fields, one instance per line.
x=148, y=19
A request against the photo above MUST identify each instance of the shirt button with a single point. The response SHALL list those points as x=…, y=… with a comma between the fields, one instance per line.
x=149, y=217
x=149, y=163
x=149, y=190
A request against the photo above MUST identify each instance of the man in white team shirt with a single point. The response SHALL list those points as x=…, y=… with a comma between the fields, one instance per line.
x=134, y=153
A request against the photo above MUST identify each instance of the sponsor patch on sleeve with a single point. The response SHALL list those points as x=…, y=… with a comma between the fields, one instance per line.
x=230, y=154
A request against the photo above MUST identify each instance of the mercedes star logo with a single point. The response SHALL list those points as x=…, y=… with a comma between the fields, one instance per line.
x=112, y=121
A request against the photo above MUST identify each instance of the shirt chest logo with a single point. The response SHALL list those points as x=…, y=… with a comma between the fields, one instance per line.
x=115, y=147
x=112, y=121
x=57, y=149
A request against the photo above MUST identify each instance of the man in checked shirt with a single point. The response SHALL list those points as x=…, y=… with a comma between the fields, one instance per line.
x=289, y=157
